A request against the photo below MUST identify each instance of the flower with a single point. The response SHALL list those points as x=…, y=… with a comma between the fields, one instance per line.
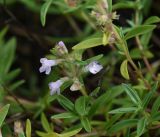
x=55, y=87
x=94, y=67
x=46, y=65
x=61, y=48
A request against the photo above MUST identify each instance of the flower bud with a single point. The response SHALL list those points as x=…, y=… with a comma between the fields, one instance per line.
x=18, y=128
x=76, y=85
x=115, y=16
x=61, y=48
x=71, y=3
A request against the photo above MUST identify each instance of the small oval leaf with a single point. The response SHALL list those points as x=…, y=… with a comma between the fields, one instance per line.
x=124, y=69
x=28, y=128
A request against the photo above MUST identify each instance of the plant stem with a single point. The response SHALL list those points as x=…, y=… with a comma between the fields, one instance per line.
x=88, y=20
x=141, y=47
x=74, y=25
x=126, y=52
x=83, y=91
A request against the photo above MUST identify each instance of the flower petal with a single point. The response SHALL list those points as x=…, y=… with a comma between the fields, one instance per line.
x=42, y=69
x=52, y=92
x=42, y=60
x=48, y=70
x=51, y=63
x=94, y=67
x=58, y=91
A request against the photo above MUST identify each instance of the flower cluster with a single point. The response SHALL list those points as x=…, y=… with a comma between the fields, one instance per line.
x=63, y=57
x=104, y=19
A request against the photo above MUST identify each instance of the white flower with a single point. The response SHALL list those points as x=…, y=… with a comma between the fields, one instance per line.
x=46, y=65
x=94, y=67
x=55, y=87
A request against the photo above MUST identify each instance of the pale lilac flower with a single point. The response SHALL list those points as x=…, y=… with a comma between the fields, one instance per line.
x=94, y=67
x=55, y=87
x=46, y=65
x=61, y=48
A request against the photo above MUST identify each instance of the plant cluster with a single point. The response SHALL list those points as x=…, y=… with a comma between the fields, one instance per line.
x=69, y=106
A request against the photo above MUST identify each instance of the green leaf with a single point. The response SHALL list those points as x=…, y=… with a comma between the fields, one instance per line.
x=12, y=75
x=63, y=115
x=132, y=94
x=95, y=58
x=78, y=54
x=16, y=84
x=42, y=134
x=44, y=10
x=145, y=39
x=2, y=34
x=105, y=39
x=86, y=62
x=139, y=30
x=28, y=128
x=124, y=69
x=151, y=20
x=112, y=120
x=137, y=54
x=141, y=126
x=122, y=124
x=156, y=106
x=21, y=134
x=86, y=124
x=109, y=5
x=146, y=6
x=7, y=56
x=99, y=102
x=89, y=43
x=123, y=110
x=66, y=103
x=148, y=96
x=127, y=133
x=3, y=113
x=80, y=106
x=95, y=92
x=51, y=98
x=155, y=116
x=70, y=133
x=124, y=5
x=45, y=123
